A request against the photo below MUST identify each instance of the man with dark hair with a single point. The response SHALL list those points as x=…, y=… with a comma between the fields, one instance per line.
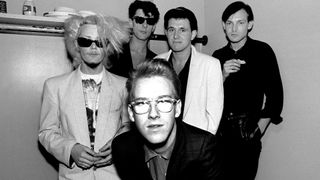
x=143, y=17
x=160, y=147
x=200, y=74
x=253, y=92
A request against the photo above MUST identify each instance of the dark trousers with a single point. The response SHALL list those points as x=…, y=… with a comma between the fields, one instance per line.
x=241, y=156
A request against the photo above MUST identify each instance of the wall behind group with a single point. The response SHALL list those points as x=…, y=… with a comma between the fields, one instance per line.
x=117, y=8
x=290, y=150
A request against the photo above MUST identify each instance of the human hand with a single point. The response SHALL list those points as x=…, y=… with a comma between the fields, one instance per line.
x=231, y=66
x=83, y=156
x=104, y=155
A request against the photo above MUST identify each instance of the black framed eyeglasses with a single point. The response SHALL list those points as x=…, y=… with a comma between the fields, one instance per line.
x=163, y=104
x=84, y=42
x=140, y=20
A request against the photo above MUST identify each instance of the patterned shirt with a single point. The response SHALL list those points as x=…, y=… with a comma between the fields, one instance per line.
x=91, y=90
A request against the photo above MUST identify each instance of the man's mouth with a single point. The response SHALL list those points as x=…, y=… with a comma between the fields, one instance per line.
x=93, y=54
x=154, y=126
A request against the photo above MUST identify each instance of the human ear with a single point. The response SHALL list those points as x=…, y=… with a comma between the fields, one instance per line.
x=130, y=114
x=165, y=32
x=177, y=109
x=130, y=23
x=223, y=25
x=250, y=25
x=193, y=34
x=153, y=28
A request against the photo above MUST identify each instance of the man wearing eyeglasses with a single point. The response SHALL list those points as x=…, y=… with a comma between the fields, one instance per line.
x=161, y=147
x=143, y=16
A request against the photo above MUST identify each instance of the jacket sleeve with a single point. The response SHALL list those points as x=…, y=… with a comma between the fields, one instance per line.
x=50, y=133
x=272, y=87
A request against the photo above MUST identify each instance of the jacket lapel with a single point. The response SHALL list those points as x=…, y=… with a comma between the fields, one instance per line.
x=78, y=102
x=194, y=80
x=176, y=160
x=106, y=127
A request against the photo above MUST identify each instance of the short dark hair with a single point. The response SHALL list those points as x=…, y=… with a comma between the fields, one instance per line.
x=181, y=13
x=234, y=7
x=152, y=68
x=146, y=6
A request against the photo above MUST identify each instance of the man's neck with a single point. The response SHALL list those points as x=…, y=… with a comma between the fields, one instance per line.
x=138, y=45
x=238, y=45
x=179, y=59
x=162, y=148
x=85, y=69
x=138, y=51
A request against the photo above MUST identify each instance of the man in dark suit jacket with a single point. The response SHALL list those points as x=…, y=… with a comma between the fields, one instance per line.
x=160, y=147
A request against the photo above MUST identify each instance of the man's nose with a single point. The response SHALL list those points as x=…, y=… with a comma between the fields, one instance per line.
x=234, y=28
x=154, y=112
x=176, y=34
x=144, y=24
x=93, y=45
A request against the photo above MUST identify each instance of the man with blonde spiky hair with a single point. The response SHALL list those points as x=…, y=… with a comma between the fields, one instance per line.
x=82, y=111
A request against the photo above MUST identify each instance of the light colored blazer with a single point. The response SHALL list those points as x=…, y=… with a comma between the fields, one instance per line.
x=63, y=121
x=204, y=95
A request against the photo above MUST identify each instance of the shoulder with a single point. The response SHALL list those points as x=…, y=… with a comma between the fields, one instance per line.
x=116, y=58
x=205, y=61
x=123, y=139
x=259, y=44
x=126, y=143
x=194, y=131
x=220, y=51
x=116, y=80
x=203, y=57
x=196, y=136
x=60, y=79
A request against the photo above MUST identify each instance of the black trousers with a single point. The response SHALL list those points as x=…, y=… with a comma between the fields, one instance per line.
x=241, y=156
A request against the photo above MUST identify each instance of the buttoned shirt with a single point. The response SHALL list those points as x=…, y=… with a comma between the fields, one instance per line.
x=158, y=163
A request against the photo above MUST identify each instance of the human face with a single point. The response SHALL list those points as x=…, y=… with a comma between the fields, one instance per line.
x=237, y=27
x=179, y=34
x=93, y=55
x=142, y=31
x=155, y=126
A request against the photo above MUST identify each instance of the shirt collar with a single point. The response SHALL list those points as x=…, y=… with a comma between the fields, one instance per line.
x=150, y=154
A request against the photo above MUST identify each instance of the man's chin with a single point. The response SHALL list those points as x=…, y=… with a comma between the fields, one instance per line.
x=155, y=143
x=93, y=65
x=157, y=138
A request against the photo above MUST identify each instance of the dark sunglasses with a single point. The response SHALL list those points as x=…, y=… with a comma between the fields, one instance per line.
x=140, y=20
x=84, y=42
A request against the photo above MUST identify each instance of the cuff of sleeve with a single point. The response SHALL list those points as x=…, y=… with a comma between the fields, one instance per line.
x=70, y=160
x=274, y=119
